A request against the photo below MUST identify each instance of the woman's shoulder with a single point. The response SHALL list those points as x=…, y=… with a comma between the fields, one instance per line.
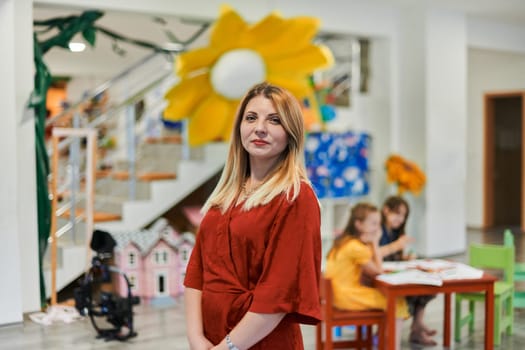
x=306, y=190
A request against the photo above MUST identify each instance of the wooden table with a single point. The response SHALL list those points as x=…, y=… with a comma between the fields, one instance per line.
x=484, y=284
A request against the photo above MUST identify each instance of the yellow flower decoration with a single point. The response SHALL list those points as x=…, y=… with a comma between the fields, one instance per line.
x=213, y=79
x=405, y=174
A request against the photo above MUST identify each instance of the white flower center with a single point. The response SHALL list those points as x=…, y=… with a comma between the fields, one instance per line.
x=236, y=71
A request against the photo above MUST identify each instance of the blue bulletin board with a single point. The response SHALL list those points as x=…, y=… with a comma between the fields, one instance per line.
x=338, y=164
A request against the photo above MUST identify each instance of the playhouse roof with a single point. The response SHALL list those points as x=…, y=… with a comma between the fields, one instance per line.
x=146, y=239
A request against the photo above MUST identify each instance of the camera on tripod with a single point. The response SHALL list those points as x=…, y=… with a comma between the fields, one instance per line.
x=117, y=310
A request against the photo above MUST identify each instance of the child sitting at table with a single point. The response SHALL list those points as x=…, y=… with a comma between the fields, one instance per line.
x=354, y=259
x=394, y=215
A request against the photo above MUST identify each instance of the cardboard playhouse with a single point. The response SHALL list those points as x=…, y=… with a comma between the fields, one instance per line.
x=154, y=260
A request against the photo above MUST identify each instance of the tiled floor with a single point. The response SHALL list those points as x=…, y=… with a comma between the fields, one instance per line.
x=164, y=327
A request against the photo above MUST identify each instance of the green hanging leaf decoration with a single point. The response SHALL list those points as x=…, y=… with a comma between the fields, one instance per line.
x=69, y=27
x=89, y=35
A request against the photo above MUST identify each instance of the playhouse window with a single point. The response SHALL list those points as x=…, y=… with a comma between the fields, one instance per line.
x=161, y=257
x=132, y=282
x=184, y=254
x=132, y=259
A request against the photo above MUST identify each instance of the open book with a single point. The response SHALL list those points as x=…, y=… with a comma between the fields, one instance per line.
x=411, y=276
x=427, y=271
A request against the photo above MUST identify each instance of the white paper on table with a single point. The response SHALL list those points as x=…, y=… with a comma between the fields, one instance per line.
x=394, y=266
x=461, y=271
x=411, y=276
x=433, y=265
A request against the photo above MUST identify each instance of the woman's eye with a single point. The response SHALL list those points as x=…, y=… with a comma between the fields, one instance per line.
x=275, y=120
x=250, y=117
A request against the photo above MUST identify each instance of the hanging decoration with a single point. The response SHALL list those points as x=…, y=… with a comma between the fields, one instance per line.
x=214, y=78
x=405, y=174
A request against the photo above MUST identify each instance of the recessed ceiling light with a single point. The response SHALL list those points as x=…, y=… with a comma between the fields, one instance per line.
x=77, y=47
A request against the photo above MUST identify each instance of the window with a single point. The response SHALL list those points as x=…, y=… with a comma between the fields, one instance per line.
x=160, y=257
x=133, y=282
x=184, y=254
x=132, y=259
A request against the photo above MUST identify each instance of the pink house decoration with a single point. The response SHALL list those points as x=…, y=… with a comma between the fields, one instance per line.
x=154, y=260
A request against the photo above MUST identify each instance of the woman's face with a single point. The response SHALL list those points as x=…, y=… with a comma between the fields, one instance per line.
x=394, y=218
x=370, y=227
x=262, y=134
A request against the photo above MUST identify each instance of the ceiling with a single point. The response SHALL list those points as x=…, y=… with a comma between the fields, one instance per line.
x=507, y=11
x=97, y=62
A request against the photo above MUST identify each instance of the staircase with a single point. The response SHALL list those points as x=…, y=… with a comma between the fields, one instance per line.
x=141, y=182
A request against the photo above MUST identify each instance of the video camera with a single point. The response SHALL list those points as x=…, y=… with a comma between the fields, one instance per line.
x=117, y=310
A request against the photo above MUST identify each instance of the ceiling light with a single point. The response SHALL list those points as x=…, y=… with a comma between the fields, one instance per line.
x=77, y=47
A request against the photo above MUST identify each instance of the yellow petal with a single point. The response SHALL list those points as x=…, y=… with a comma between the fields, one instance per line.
x=190, y=61
x=209, y=120
x=297, y=33
x=306, y=61
x=230, y=117
x=267, y=30
x=299, y=86
x=184, y=97
x=229, y=26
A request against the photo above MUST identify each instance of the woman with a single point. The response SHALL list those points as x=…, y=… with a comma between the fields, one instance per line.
x=254, y=272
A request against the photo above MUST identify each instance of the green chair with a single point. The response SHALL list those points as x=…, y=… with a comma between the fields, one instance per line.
x=519, y=271
x=493, y=257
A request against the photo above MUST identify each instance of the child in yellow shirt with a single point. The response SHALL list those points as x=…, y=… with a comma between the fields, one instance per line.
x=354, y=259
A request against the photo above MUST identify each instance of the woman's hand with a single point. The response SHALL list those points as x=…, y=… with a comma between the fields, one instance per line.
x=200, y=343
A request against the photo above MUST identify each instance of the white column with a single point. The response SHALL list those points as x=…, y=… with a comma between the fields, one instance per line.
x=432, y=128
x=18, y=250
x=446, y=133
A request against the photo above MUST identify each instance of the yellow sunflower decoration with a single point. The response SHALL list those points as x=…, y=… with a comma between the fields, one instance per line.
x=405, y=174
x=213, y=79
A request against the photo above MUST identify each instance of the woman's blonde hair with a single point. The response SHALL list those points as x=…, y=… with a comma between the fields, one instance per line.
x=289, y=171
x=359, y=212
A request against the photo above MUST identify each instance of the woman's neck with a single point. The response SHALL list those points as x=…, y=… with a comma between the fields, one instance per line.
x=259, y=171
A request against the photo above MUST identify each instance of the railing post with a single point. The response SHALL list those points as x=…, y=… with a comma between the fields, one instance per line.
x=131, y=150
x=74, y=173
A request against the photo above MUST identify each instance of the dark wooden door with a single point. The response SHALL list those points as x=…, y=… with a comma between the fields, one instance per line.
x=507, y=184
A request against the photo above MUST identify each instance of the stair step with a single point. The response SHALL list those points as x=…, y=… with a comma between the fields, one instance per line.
x=177, y=139
x=145, y=176
x=98, y=216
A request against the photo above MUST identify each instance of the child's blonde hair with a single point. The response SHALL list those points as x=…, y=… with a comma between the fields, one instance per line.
x=359, y=212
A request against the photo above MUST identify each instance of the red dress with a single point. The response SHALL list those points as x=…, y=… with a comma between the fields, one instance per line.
x=265, y=260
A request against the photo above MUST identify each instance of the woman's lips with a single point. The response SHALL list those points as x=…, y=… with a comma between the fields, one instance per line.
x=259, y=142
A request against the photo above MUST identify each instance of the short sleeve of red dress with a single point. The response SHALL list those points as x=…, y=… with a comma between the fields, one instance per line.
x=289, y=281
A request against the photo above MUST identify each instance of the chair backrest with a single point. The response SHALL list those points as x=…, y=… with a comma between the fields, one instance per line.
x=327, y=298
x=508, y=238
x=491, y=256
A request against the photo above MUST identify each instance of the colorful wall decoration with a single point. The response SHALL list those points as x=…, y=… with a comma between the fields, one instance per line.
x=337, y=163
x=214, y=78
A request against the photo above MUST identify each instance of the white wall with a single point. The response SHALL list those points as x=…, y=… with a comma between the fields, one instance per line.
x=17, y=203
x=446, y=121
x=488, y=71
x=484, y=34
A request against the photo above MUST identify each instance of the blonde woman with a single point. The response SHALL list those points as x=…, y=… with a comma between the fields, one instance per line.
x=254, y=273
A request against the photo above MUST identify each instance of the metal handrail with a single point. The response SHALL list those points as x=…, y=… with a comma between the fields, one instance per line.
x=112, y=111
x=105, y=86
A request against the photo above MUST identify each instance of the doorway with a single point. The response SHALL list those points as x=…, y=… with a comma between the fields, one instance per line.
x=161, y=287
x=504, y=197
